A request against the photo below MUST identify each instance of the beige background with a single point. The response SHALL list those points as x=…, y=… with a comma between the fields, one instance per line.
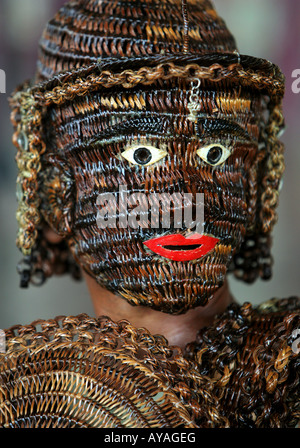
x=264, y=28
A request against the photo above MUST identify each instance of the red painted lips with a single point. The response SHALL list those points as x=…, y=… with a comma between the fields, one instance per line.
x=179, y=248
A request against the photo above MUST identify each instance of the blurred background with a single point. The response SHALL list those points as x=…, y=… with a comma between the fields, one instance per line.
x=264, y=28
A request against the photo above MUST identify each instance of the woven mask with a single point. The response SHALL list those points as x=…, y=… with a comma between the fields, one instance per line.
x=142, y=100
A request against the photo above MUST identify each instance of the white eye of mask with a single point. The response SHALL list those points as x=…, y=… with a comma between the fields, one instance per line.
x=214, y=154
x=143, y=155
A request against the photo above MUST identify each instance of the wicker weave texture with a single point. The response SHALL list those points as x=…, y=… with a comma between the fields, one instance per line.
x=72, y=129
x=84, y=372
x=241, y=372
x=86, y=30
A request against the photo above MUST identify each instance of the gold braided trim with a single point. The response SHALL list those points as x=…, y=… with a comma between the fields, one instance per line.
x=274, y=85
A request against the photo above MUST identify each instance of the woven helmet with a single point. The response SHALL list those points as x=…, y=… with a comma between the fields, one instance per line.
x=106, y=64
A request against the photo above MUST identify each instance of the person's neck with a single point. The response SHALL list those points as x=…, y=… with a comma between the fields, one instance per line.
x=177, y=329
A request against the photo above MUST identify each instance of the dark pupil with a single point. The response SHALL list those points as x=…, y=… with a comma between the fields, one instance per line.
x=142, y=156
x=214, y=154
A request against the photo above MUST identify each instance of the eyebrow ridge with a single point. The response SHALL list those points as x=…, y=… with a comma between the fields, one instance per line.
x=213, y=126
x=150, y=124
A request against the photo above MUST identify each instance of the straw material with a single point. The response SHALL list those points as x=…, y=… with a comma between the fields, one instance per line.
x=84, y=372
x=86, y=30
x=243, y=371
x=111, y=74
x=252, y=357
x=112, y=70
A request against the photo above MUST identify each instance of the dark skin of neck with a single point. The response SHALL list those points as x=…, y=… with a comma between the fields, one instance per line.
x=178, y=330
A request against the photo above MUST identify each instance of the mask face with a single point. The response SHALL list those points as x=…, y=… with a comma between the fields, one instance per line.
x=162, y=202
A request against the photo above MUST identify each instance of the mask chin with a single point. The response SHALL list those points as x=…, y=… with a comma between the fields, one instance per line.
x=163, y=285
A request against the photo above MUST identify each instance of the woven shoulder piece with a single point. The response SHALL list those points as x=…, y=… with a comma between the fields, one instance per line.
x=252, y=357
x=84, y=372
